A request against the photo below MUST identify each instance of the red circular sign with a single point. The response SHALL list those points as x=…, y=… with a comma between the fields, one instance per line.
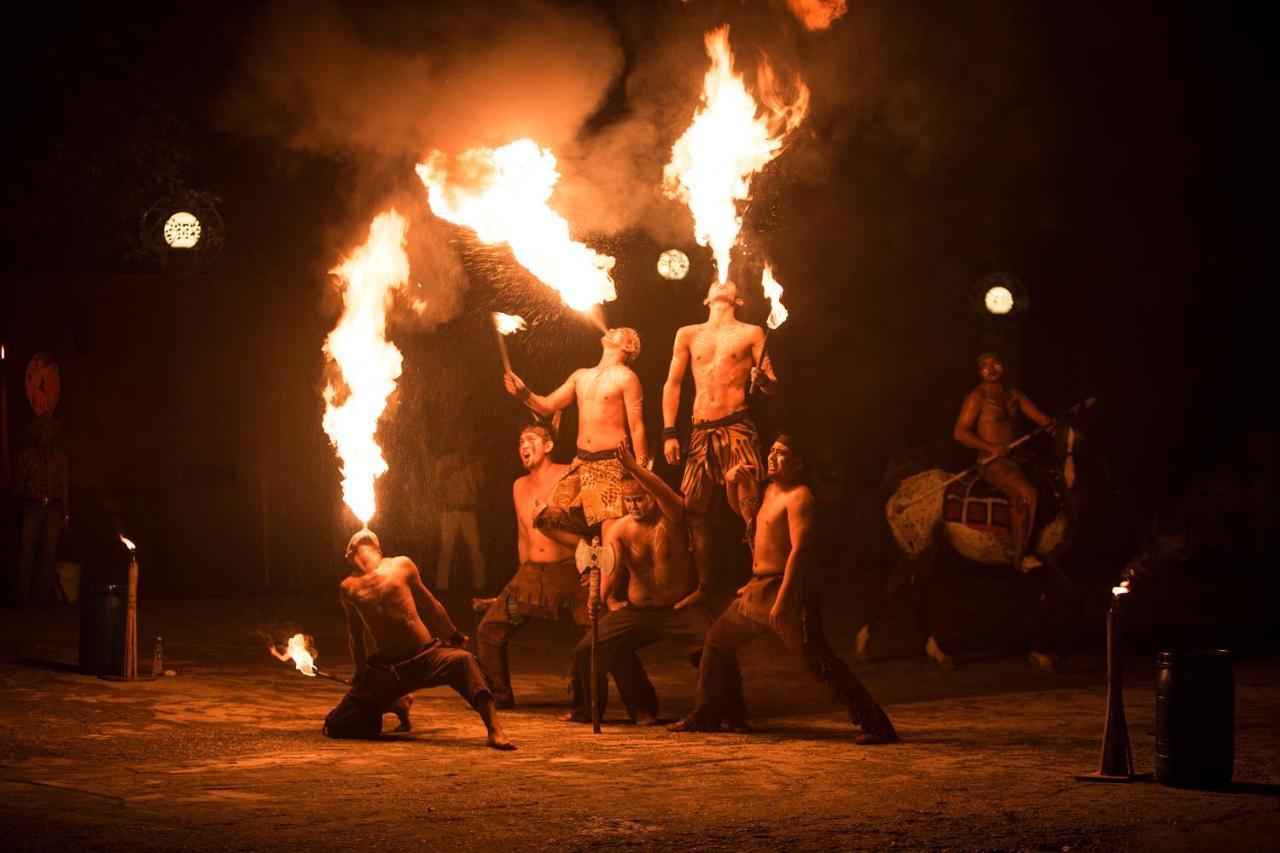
x=44, y=383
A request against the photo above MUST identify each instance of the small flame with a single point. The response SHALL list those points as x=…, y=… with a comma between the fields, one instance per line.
x=730, y=139
x=502, y=195
x=301, y=651
x=818, y=14
x=369, y=363
x=1123, y=589
x=128, y=543
x=773, y=290
x=507, y=324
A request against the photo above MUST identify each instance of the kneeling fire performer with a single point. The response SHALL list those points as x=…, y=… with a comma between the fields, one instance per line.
x=662, y=591
x=547, y=584
x=777, y=598
x=386, y=595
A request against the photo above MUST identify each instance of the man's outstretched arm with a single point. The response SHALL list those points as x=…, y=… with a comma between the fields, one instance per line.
x=1030, y=409
x=671, y=397
x=433, y=612
x=546, y=406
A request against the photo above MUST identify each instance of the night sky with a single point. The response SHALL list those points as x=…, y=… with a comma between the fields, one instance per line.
x=1118, y=159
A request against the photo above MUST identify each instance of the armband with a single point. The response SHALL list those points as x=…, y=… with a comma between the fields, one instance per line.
x=669, y=432
x=523, y=394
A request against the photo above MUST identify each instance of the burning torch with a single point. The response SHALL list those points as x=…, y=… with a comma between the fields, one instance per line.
x=503, y=325
x=131, y=613
x=302, y=652
x=777, y=315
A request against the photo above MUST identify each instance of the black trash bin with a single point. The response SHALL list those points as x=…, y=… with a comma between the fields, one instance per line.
x=102, y=618
x=1195, y=719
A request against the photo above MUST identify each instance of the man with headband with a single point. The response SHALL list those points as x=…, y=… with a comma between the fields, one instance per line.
x=386, y=595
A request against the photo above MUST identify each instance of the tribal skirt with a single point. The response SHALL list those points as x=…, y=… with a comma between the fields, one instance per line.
x=714, y=448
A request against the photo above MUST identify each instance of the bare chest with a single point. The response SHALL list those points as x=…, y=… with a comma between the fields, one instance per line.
x=712, y=349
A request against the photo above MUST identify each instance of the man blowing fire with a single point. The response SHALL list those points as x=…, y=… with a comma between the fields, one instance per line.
x=386, y=595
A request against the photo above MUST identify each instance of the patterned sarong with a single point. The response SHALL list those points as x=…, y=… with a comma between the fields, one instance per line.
x=714, y=448
x=588, y=493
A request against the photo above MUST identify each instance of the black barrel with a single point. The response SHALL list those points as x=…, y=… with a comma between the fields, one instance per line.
x=102, y=618
x=1195, y=719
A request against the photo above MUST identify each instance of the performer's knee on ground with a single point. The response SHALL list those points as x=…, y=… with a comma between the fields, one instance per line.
x=353, y=723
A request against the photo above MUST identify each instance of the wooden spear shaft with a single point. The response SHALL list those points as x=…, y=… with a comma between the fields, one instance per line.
x=764, y=354
x=502, y=345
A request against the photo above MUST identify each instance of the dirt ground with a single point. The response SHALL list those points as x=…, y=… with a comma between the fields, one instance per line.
x=227, y=754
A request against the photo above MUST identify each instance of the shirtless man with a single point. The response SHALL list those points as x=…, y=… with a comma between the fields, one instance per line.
x=386, y=595
x=777, y=598
x=610, y=404
x=988, y=422
x=652, y=545
x=547, y=584
x=724, y=353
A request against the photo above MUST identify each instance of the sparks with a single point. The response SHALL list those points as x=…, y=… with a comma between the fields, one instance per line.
x=730, y=139
x=368, y=362
x=502, y=195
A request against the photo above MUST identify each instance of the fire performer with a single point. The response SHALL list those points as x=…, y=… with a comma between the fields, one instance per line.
x=725, y=354
x=988, y=423
x=546, y=585
x=652, y=542
x=387, y=596
x=778, y=598
x=610, y=404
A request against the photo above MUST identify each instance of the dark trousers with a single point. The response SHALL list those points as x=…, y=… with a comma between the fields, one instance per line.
x=41, y=527
x=624, y=631
x=359, y=714
x=499, y=625
x=720, y=681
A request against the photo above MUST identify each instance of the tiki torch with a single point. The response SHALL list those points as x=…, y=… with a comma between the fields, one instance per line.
x=503, y=325
x=777, y=315
x=131, y=613
x=1116, y=763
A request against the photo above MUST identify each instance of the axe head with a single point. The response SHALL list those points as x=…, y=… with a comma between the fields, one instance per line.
x=594, y=555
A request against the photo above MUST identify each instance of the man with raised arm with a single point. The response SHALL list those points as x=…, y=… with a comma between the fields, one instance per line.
x=724, y=355
x=547, y=584
x=652, y=547
x=386, y=595
x=610, y=406
x=988, y=423
x=779, y=599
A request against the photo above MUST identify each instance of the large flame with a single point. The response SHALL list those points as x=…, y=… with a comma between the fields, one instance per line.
x=731, y=138
x=507, y=324
x=301, y=652
x=818, y=14
x=369, y=363
x=502, y=195
x=773, y=292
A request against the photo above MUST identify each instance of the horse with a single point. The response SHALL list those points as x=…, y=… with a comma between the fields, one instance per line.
x=919, y=524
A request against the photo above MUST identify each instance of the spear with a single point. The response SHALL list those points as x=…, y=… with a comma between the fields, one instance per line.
x=1069, y=413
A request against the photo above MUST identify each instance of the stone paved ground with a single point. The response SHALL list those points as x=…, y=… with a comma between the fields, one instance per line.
x=227, y=755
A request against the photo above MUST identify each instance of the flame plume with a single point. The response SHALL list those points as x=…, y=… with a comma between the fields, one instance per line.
x=501, y=194
x=731, y=138
x=773, y=292
x=369, y=363
x=507, y=324
x=301, y=652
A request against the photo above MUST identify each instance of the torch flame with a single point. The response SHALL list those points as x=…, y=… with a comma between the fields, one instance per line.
x=730, y=140
x=773, y=291
x=128, y=543
x=501, y=194
x=507, y=324
x=369, y=363
x=1123, y=589
x=301, y=652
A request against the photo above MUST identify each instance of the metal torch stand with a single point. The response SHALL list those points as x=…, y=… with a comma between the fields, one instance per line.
x=1116, y=764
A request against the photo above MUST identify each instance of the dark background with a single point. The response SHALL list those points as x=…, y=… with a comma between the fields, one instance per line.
x=1120, y=161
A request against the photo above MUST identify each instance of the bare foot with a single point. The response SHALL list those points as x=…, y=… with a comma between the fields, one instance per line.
x=498, y=740
x=574, y=717
x=645, y=719
x=937, y=655
x=692, y=724
x=860, y=644
x=401, y=709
